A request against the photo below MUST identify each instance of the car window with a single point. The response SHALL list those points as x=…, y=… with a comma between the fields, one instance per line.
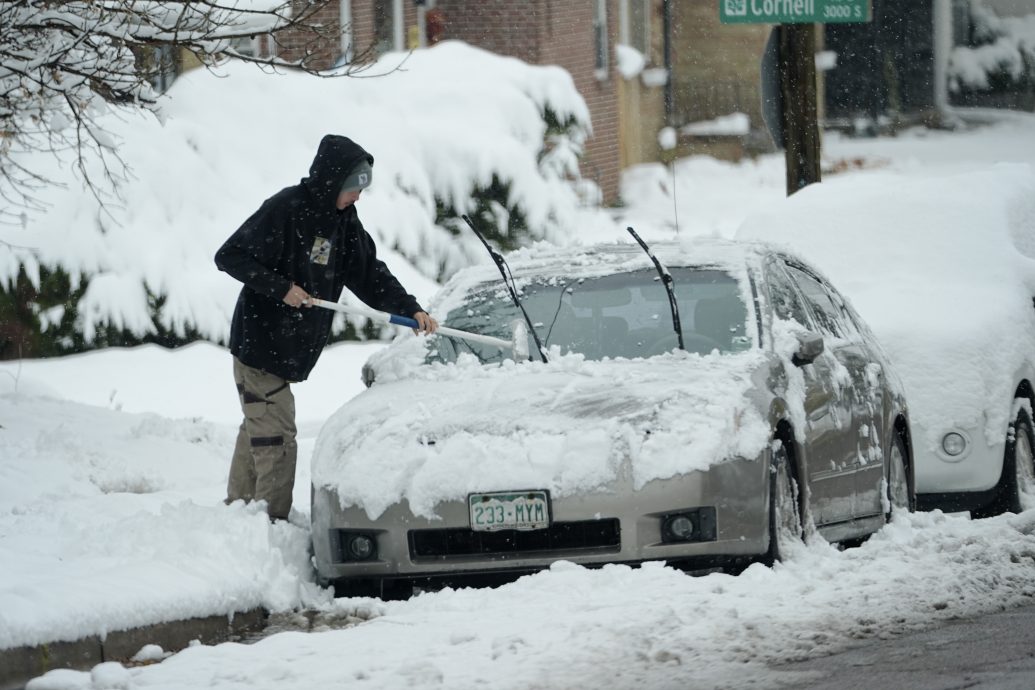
x=620, y=315
x=786, y=302
x=830, y=317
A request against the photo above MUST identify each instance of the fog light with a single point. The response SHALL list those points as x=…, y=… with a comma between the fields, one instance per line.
x=953, y=444
x=681, y=527
x=360, y=547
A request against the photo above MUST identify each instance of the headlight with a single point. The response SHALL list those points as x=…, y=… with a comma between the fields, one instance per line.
x=954, y=444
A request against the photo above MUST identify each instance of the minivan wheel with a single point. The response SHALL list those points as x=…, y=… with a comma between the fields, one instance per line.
x=1017, y=486
x=1021, y=495
x=785, y=514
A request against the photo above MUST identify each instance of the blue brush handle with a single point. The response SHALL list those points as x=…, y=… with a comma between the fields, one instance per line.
x=403, y=321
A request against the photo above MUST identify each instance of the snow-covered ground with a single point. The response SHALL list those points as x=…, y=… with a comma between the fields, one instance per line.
x=113, y=466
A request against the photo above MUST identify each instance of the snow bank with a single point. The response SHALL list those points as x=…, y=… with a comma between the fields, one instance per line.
x=99, y=530
x=650, y=627
x=113, y=468
x=734, y=124
x=941, y=266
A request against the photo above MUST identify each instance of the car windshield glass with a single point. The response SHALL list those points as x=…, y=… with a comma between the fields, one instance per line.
x=618, y=315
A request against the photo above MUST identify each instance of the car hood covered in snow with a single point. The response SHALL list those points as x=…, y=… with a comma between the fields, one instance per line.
x=432, y=433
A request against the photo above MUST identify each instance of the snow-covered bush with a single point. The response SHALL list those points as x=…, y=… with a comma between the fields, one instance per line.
x=1000, y=54
x=453, y=130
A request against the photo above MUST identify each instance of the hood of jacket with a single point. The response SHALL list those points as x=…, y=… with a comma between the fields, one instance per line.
x=334, y=160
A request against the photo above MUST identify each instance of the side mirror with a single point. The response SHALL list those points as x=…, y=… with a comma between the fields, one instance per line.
x=810, y=346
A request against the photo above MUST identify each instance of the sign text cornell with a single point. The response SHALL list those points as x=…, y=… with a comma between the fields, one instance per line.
x=793, y=11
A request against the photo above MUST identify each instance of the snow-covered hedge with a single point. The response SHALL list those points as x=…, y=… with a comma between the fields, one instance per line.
x=1002, y=54
x=453, y=129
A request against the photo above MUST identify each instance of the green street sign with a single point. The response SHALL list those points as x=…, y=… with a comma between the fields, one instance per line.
x=793, y=11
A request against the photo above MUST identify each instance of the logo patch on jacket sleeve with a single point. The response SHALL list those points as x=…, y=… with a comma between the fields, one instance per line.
x=321, y=252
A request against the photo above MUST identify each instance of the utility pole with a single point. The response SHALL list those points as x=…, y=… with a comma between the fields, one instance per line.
x=798, y=89
x=788, y=77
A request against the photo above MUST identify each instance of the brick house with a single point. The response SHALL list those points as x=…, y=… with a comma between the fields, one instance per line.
x=578, y=35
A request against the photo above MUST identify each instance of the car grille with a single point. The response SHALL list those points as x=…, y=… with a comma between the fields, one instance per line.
x=560, y=536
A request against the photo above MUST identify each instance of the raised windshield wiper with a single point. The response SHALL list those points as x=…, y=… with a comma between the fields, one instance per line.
x=666, y=279
x=508, y=280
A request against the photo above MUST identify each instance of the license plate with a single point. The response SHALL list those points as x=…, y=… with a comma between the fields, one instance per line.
x=520, y=510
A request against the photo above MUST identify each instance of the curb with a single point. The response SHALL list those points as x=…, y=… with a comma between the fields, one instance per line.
x=19, y=665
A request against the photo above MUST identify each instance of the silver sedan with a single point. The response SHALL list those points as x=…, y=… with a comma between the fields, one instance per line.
x=768, y=417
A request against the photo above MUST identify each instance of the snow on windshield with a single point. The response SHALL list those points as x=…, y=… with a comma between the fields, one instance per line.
x=619, y=315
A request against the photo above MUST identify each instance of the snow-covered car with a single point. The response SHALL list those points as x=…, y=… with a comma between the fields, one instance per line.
x=943, y=268
x=779, y=410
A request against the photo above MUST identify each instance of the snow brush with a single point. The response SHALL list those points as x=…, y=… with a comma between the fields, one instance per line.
x=517, y=345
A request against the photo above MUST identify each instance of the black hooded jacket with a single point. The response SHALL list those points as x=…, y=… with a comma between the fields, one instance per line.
x=299, y=236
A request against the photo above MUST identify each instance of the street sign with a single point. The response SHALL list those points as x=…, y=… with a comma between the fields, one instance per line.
x=793, y=11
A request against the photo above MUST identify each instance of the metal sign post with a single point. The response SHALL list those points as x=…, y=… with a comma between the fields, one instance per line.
x=789, y=72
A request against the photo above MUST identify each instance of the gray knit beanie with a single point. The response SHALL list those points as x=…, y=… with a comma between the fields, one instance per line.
x=360, y=177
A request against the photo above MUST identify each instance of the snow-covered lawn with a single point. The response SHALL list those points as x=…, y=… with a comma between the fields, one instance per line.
x=113, y=465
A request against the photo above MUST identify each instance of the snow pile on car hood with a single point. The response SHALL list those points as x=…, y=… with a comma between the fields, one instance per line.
x=427, y=434
x=941, y=267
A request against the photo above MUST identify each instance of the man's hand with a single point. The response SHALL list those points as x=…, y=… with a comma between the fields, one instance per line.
x=296, y=297
x=428, y=324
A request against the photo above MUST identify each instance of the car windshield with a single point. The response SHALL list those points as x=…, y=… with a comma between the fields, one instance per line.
x=618, y=315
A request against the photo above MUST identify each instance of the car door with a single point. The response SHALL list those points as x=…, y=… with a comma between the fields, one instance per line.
x=831, y=483
x=857, y=377
x=870, y=492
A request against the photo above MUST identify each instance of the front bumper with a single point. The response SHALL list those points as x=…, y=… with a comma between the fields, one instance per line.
x=616, y=525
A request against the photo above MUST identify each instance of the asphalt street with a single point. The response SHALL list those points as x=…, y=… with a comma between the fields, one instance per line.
x=992, y=652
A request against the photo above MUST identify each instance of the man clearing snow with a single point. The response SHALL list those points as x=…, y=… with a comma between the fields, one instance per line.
x=304, y=242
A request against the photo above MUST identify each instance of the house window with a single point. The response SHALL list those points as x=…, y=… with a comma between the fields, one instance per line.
x=160, y=65
x=635, y=25
x=388, y=22
x=600, y=38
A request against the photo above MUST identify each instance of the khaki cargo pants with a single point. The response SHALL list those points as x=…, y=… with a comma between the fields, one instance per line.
x=263, y=467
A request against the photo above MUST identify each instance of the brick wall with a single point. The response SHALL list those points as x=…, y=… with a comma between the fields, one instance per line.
x=324, y=47
x=568, y=41
x=501, y=26
x=548, y=32
x=553, y=32
x=362, y=26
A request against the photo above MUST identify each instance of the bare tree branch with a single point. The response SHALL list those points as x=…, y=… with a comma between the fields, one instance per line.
x=64, y=65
